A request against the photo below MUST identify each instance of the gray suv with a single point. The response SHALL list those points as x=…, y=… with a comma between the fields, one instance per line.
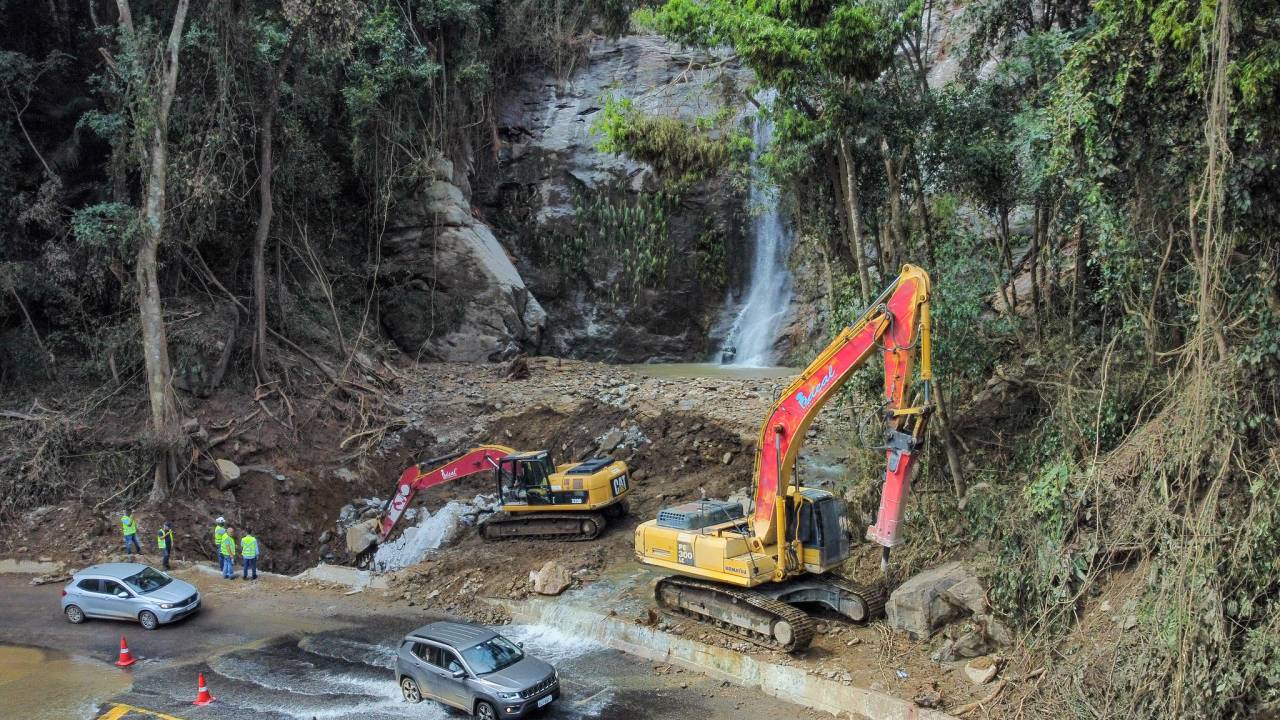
x=474, y=669
x=128, y=591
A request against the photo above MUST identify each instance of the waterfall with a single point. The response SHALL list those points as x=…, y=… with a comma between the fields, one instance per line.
x=749, y=342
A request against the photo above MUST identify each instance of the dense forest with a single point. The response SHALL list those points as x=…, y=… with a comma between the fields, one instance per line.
x=202, y=195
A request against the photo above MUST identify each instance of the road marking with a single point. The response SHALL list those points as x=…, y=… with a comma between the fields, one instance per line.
x=588, y=699
x=120, y=710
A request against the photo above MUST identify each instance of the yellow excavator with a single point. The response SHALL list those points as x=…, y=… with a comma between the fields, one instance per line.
x=747, y=575
x=539, y=499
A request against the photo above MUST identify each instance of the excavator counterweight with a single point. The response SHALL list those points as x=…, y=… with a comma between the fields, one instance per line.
x=745, y=575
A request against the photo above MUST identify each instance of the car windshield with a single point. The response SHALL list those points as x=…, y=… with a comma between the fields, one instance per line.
x=149, y=580
x=492, y=655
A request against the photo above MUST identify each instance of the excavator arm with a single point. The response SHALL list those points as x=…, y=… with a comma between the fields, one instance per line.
x=897, y=323
x=434, y=472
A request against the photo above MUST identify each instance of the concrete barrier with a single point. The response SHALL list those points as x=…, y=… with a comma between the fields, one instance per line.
x=29, y=567
x=344, y=575
x=781, y=681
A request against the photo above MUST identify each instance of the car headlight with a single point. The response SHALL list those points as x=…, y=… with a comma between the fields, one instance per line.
x=508, y=696
x=166, y=606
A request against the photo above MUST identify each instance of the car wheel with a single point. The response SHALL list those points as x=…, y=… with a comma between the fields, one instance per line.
x=486, y=711
x=149, y=620
x=75, y=615
x=410, y=690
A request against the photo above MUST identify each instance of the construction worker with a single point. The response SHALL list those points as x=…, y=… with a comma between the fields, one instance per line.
x=228, y=550
x=164, y=541
x=130, y=530
x=249, y=553
x=218, y=532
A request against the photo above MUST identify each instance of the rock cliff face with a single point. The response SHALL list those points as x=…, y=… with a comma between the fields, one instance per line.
x=450, y=292
x=466, y=276
x=550, y=170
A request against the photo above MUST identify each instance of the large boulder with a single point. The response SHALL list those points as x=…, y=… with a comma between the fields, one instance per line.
x=934, y=598
x=362, y=536
x=551, y=579
x=450, y=292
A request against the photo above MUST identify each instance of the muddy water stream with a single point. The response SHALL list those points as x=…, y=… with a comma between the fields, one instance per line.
x=36, y=684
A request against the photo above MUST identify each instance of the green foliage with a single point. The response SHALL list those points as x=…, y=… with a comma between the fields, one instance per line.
x=683, y=153
x=387, y=62
x=709, y=257
x=613, y=230
x=110, y=227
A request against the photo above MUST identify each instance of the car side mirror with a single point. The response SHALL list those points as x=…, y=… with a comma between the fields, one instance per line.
x=459, y=674
x=122, y=595
x=520, y=645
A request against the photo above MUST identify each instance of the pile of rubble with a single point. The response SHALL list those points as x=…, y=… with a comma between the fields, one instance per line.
x=432, y=531
x=950, y=601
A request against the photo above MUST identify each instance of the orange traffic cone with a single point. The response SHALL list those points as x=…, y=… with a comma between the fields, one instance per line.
x=202, y=696
x=126, y=658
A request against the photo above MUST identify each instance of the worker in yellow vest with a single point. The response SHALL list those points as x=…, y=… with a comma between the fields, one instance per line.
x=164, y=542
x=249, y=552
x=228, y=554
x=130, y=530
x=218, y=531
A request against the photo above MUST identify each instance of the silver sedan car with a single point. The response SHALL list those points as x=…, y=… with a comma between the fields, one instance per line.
x=128, y=591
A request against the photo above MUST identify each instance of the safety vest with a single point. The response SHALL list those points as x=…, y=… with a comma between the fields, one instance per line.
x=248, y=547
x=160, y=539
x=126, y=523
x=228, y=545
x=218, y=532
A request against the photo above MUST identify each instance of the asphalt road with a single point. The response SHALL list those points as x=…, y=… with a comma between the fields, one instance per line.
x=274, y=650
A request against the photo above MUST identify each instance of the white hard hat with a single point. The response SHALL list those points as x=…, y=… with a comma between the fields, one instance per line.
x=221, y=519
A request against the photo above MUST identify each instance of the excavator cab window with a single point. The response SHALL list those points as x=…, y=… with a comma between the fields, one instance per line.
x=537, y=485
x=807, y=532
x=524, y=479
x=511, y=480
x=831, y=536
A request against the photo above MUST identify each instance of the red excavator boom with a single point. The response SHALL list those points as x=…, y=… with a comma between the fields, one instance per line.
x=897, y=323
x=435, y=471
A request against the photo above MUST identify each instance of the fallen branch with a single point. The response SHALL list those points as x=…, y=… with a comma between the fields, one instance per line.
x=970, y=707
x=48, y=368
x=324, y=368
x=145, y=473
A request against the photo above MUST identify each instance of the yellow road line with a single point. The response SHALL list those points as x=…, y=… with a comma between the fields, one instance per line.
x=120, y=710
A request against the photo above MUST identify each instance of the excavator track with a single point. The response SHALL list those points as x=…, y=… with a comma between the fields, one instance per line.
x=738, y=612
x=873, y=597
x=546, y=526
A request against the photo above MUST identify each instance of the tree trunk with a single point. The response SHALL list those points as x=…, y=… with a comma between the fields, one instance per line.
x=265, y=213
x=266, y=209
x=1032, y=261
x=1077, y=278
x=1007, y=253
x=949, y=446
x=165, y=424
x=855, y=219
x=897, y=231
x=922, y=207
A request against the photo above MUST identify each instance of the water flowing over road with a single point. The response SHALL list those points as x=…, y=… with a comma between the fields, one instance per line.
x=751, y=338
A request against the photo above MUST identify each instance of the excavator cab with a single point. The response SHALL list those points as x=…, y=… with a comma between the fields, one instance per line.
x=821, y=526
x=526, y=478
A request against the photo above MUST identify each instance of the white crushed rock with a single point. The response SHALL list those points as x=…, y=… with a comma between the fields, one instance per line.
x=432, y=531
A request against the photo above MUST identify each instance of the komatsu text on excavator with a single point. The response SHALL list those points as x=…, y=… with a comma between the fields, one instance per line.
x=539, y=499
x=746, y=575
